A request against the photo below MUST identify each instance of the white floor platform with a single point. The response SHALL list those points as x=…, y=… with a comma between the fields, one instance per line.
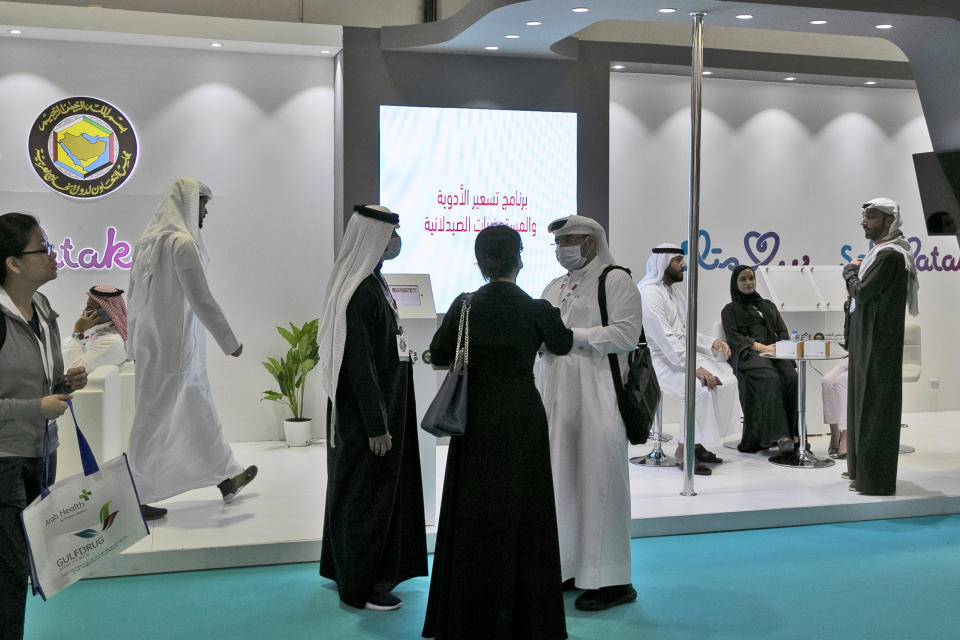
x=279, y=518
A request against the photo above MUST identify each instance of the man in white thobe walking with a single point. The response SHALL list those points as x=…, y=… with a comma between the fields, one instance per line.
x=176, y=442
x=588, y=441
x=665, y=326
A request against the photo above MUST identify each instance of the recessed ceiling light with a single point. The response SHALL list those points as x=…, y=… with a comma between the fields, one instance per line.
x=708, y=73
x=667, y=10
x=216, y=44
x=579, y=9
x=512, y=36
x=745, y=16
x=492, y=48
x=818, y=22
x=618, y=67
x=870, y=82
x=533, y=23
x=884, y=26
x=16, y=32
x=325, y=51
x=789, y=78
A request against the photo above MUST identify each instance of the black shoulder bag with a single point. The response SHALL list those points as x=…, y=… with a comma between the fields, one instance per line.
x=639, y=396
x=447, y=413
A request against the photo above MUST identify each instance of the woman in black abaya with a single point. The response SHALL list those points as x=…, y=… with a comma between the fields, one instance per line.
x=496, y=569
x=768, y=388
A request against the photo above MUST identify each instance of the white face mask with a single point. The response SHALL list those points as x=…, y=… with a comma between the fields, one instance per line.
x=570, y=258
x=393, y=249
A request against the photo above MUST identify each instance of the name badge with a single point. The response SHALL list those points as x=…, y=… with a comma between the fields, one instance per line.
x=403, y=346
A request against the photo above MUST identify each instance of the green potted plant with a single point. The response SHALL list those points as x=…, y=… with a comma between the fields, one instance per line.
x=290, y=372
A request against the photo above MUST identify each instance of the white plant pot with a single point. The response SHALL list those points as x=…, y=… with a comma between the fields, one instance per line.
x=297, y=432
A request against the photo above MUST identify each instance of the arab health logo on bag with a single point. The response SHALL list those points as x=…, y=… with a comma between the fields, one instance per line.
x=79, y=509
x=84, y=521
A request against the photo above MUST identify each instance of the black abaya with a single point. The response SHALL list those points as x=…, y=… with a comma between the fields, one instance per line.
x=496, y=570
x=874, y=379
x=373, y=529
x=768, y=388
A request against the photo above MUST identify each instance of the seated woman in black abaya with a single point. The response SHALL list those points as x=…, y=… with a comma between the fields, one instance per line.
x=768, y=388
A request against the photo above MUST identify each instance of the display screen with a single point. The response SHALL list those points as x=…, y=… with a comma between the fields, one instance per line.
x=449, y=173
x=406, y=295
x=938, y=177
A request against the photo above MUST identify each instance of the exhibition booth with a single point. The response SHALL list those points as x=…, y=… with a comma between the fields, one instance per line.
x=292, y=126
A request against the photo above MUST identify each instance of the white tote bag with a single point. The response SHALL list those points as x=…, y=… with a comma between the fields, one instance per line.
x=81, y=521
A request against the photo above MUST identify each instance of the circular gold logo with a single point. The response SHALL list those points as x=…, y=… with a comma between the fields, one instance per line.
x=83, y=147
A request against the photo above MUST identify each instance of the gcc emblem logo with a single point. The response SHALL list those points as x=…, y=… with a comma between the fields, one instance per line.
x=83, y=147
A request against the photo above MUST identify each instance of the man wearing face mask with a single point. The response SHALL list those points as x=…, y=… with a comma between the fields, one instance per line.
x=588, y=440
x=373, y=529
x=665, y=324
x=100, y=333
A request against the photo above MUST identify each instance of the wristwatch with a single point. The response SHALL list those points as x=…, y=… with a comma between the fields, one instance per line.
x=78, y=336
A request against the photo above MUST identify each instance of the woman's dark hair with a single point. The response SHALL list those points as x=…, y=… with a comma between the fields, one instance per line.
x=15, y=231
x=498, y=250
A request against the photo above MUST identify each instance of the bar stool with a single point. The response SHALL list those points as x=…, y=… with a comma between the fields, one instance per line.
x=656, y=458
x=911, y=366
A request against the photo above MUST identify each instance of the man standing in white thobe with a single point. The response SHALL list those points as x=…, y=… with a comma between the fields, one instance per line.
x=176, y=442
x=588, y=440
x=665, y=327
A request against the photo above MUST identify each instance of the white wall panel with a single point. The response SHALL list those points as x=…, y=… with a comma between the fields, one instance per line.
x=796, y=160
x=257, y=128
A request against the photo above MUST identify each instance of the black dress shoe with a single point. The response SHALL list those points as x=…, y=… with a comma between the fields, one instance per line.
x=605, y=597
x=787, y=446
x=703, y=455
x=152, y=513
x=569, y=584
x=698, y=469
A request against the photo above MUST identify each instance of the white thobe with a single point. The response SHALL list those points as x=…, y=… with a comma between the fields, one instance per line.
x=665, y=327
x=176, y=442
x=835, y=395
x=102, y=345
x=588, y=441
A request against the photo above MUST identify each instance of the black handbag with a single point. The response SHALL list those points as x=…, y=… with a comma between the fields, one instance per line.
x=638, y=397
x=447, y=413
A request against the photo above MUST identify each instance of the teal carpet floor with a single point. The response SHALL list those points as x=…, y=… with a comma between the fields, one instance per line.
x=872, y=580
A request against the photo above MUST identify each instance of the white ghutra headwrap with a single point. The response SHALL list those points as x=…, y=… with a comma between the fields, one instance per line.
x=658, y=262
x=177, y=214
x=361, y=250
x=894, y=241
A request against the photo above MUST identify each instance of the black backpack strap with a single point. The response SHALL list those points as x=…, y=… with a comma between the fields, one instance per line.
x=603, y=297
x=604, y=320
x=3, y=329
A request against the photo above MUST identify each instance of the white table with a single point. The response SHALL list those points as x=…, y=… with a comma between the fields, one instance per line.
x=801, y=458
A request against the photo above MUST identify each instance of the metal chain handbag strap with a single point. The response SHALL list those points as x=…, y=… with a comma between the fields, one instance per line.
x=463, y=333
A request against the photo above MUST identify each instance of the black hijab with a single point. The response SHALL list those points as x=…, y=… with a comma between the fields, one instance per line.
x=754, y=299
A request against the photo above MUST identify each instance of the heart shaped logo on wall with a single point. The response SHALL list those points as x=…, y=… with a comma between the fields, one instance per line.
x=766, y=246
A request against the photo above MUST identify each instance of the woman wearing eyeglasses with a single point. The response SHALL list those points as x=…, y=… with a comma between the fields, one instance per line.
x=33, y=389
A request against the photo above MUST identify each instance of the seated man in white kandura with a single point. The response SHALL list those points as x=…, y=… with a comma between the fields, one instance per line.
x=665, y=326
x=100, y=333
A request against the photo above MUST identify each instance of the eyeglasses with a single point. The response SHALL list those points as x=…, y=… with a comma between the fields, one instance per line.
x=569, y=241
x=44, y=248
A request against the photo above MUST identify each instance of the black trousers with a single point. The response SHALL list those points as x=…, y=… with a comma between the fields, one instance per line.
x=19, y=485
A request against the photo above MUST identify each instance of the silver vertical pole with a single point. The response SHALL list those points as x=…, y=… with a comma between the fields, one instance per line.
x=693, y=244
